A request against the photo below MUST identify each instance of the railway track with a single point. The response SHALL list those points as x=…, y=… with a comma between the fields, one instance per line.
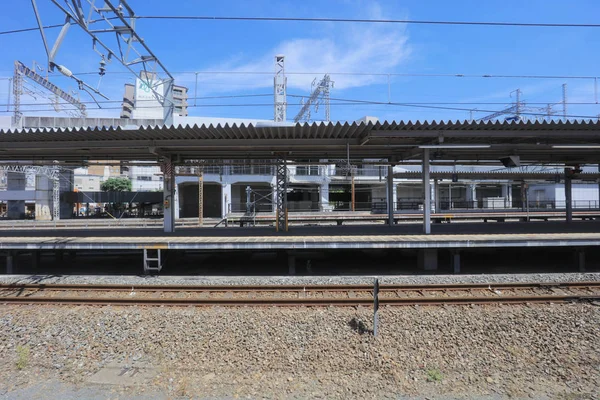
x=298, y=295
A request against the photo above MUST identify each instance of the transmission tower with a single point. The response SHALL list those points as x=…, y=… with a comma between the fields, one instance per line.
x=319, y=95
x=280, y=89
x=113, y=33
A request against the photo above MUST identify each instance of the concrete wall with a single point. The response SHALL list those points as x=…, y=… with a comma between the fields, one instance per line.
x=584, y=195
x=88, y=183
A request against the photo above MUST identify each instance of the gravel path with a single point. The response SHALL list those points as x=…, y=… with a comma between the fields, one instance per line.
x=537, y=351
x=298, y=280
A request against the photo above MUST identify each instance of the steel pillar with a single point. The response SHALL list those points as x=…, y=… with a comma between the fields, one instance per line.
x=427, y=194
x=581, y=259
x=507, y=194
x=436, y=195
x=456, y=261
x=428, y=259
x=10, y=262
x=169, y=195
x=200, y=197
x=56, y=199
x=324, y=197
x=291, y=264
x=390, y=195
x=281, y=189
x=35, y=258
x=568, y=197
x=471, y=195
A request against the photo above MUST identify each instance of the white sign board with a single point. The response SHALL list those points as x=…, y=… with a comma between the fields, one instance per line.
x=146, y=102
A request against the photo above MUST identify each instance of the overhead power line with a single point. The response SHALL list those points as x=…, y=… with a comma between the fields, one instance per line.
x=347, y=102
x=150, y=101
x=380, y=74
x=370, y=21
x=412, y=103
x=339, y=20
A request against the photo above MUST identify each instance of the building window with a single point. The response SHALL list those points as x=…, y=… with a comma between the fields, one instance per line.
x=144, y=178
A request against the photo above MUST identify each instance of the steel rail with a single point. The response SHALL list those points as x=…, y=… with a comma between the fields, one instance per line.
x=297, y=288
x=306, y=302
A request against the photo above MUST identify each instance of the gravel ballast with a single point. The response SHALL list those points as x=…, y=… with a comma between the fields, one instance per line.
x=299, y=280
x=535, y=351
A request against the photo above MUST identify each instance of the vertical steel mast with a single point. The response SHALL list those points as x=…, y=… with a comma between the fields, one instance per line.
x=280, y=86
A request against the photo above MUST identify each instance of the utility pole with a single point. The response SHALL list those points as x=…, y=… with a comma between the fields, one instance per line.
x=280, y=89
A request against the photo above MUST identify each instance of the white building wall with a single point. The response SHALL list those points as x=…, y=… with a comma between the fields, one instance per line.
x=544, y=193
x=584, y=195
x=88, y=183
x=145, y=179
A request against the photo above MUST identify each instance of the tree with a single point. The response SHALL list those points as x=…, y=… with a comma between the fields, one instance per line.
x=116, y=185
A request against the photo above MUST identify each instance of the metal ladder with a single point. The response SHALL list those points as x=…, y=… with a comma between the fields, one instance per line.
x=152, y=261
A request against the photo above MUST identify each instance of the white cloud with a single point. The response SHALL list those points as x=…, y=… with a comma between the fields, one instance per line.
x=349, y=48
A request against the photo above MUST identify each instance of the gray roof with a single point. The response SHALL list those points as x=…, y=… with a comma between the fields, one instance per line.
x=533, y=141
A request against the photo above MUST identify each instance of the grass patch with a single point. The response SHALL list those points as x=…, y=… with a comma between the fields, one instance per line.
x=434, y=375
x=22, y=356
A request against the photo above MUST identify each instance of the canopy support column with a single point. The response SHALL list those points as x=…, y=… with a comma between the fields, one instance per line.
x=391, y=201
x=169, y=195
x=568, y=196
x=427, y=194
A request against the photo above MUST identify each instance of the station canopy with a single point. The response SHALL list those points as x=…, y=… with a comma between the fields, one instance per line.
x=570, y=142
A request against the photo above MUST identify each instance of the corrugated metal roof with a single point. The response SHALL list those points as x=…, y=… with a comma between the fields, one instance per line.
x=298, y=131
x=532, y=141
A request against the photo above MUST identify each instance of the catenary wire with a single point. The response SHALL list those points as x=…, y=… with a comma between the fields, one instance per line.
x=409, y=103
x=368, y=21
x=360, y=73
x=338, y=20
x=342, y=102
x=142, y=101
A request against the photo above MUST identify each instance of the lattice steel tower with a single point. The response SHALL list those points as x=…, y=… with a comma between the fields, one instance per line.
x=280, y=88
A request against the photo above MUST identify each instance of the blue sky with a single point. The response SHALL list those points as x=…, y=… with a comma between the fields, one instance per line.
x=366, y=53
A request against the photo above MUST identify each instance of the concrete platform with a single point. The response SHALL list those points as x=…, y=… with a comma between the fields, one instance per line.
x=407, y=236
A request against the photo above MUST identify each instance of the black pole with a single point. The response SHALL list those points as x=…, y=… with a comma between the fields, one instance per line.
x=375, y=307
